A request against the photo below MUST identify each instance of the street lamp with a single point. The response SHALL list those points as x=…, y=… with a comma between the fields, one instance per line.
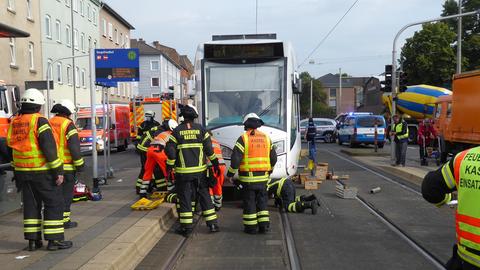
x=394, y=60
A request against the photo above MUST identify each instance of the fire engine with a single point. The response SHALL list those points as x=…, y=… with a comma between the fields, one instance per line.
x=162, y=108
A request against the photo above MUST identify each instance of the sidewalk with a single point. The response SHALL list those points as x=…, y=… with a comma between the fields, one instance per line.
x=110, y=235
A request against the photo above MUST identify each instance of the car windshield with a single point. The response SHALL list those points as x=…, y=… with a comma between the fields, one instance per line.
x=232, y=91
x=86, y=123
x=369, y=121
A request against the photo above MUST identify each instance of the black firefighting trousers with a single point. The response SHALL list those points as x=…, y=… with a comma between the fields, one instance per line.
x=191, y=189
x=255, y=205
x=289, y=201
x=67, y=190
x=40, y=189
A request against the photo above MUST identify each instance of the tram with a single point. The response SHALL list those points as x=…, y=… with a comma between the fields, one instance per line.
x=239, y=74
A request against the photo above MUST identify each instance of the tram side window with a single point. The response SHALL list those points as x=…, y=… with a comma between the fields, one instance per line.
x=294, y=121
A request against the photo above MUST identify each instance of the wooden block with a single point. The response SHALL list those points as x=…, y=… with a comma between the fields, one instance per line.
x=303, y=177
x=335, y=177
x=345, y=177
x=304, y=153
x=311, y=185
x=321, y=171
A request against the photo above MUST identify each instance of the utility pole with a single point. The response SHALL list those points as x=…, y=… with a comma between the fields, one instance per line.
x=339, y=94
x=459, y=38
x=394, y=59
x=311, y=98
x=93, y=120
x=74, y=73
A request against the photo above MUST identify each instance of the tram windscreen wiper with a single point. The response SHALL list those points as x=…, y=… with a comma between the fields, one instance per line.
x=269, y=107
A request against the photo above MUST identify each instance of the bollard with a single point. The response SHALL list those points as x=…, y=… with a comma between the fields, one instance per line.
x=375, y=190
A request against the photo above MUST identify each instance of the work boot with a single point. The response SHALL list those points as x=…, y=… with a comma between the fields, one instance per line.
x=70, y=224
x=308, y=198
x=213, y=228
x=217, y=208
x=34, y=245
x=186, y=232
x=59, y=244
x=250, y=230
x=142, y=195
x=310, y=205
x=263, y=229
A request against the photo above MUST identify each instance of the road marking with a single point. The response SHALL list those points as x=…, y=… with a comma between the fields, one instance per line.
x=376, y=173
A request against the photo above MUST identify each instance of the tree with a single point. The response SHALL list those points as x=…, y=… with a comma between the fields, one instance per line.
x=470, y=31
x=320, y=106
x=428, y=57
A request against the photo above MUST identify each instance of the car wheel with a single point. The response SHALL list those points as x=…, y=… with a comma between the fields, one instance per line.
x=122, y=147
x=352, y=143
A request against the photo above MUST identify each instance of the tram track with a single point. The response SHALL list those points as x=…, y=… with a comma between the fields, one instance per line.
x=292, y=252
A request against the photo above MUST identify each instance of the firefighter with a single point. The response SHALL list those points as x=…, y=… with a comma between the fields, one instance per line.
x=142, y=148
x=156, y=157
x=216, y=191
x=253, y=157
x=400, y=134
x=68, y=151
x=38, y=173
x=148, y=123
x=283, y=191
x=186, y=149
x=460, y=174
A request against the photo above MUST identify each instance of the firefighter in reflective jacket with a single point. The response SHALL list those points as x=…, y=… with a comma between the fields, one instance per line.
x=68, y=151
x=38, y=173
x=148, y=123
x=254, y=158
x=283, y=191
x=156, y=157
x=186, y=149
x=142, y=148
x=216, y=191
x=462, y=173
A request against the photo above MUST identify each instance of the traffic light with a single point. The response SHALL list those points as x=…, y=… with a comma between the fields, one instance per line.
x=387, y=84
x=402, y=81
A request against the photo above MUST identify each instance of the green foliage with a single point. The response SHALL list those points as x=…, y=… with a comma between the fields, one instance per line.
x=428, y=56
x=320, y=106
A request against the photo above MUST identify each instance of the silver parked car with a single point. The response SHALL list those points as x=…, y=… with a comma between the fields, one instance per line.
x=325, y=129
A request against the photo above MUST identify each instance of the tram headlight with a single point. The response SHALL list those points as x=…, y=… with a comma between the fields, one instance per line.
x=279, y=147
x=226, y=152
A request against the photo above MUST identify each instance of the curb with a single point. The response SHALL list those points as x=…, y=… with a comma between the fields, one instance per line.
x=401, y=173
x=129, y=249
x=365, y=154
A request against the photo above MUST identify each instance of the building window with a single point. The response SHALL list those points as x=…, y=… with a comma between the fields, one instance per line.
x=50, y=69
x=104, y=27
x=82, y=8
x=155, y=82
x=67, y=3
x=89, y=43
x=29, y=10
x=127, y=42
x=77, y=76
x=48, y=27
x=154, y=65
x=75, y=5
x=121, y=40
x=68, y=35
x=155, y=95
x=69, y=74
x=11, y=5
x=59, y=72
x=110, y=31
x=82, y=42
x=58, y=31
x=94, y=16
x=89, y=13
x=84, y=83
x=75, y=38
x=13, y=53
x=95, y=44
x=31, y=57
x=332, y=97
x=116, y=35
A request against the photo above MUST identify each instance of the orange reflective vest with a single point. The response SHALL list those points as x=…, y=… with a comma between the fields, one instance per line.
x=256, y=157
x=59, y=126
x=22, y=137
x=467, y=175
x=217, y=150
x=163, y=137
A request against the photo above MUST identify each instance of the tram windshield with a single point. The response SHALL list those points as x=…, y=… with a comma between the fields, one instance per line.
x=232, y=91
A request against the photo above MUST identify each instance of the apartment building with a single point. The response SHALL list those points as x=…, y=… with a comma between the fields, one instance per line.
x=69, y=28
x=115, y=33
x=21, y=58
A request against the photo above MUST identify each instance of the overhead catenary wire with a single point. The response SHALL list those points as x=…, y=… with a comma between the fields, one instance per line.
x=328, y=34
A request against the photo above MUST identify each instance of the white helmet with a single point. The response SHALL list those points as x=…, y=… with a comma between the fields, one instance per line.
x=33, y=96
x=251, y=116
x=180, y=119
x=172, y=124
x=149, y=114
x=68, y=104
x=194, y=108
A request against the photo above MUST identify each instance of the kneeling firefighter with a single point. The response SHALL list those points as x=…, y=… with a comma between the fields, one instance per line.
x=186, y=149
x=283, y=191
x=156, y=157
x=253, y=157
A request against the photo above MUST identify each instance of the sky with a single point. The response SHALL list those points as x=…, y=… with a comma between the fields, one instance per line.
x=361, y=45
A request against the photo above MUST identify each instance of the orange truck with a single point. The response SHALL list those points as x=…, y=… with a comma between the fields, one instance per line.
x=162, y=108
x=119, y=127
x=456, y=115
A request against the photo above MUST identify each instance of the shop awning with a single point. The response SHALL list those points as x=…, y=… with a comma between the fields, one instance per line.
x=7, y=31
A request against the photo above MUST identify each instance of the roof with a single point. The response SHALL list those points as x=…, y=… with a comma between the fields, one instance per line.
x=186, y=63
x=330, y=80
x=170, y=52
x=117, y=16
x=146, y=49
x=10, y=31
